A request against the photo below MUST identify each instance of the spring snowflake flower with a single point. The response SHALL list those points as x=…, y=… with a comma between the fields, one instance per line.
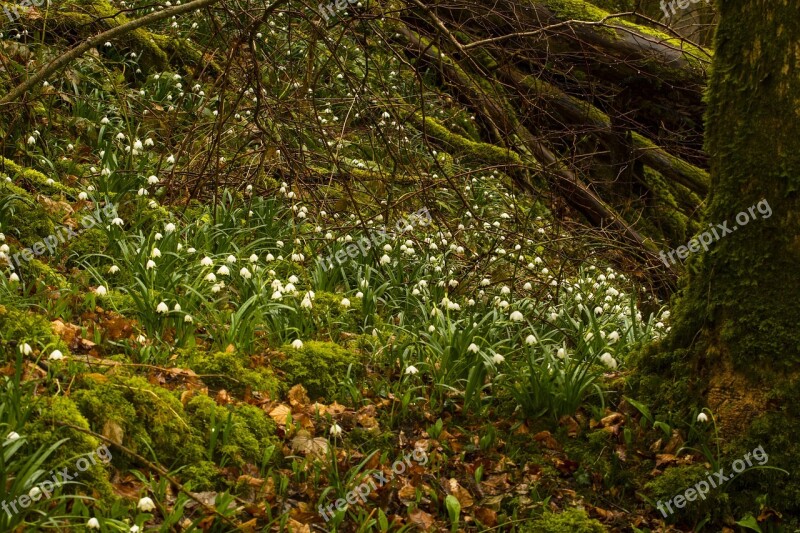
x=345, y=302
x=82, y=196
x=530, y=340
x=527, y=286
x=473, y=348
x=146, y=505
x=277, y=295
x=245, y=273
x=336, y=430
x=210, y=277
x=609, y=361
x=270, y=257
x=134, y=529
x=158, y=237
x=93, y=523
x=385, y=259
x=13, y=277
x=141, y=339
x=150, y=264
x=169, y=228
x=216, y=288
x=31, y=140
x=411, y=370
x=25, y=349
x=206, y=262
x=117, y=222
x=297, y=344
x=101, y=290
x=254, y=258
x=188, y=319
x=12, y=436
x=359, y=294
x=598, y=310
x=497, y=359
x=702, y=418
x=162, y=308
x=516, y=316
x=231, y=259
x=56, y=355
x=561, y=353
x=171, y=159
x=152, y=180
x=223, y=271
x=155, y=253
x=294, y=279
x=613, y=337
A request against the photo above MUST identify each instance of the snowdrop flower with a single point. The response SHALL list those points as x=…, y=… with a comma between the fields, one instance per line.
x=210, y=277
x=31, y=140
x=306, y=303
x=25, y=349
x=411, y=370
x=93, y=523
x=598, y=311
x=253, y=258
x=82, y=196
x=150, y=264
x=359, y=294
x=245, y=273
x=12, y=436
x=277, y=295
x=101, y=290
x=613, y=337
x=162, y=308
x=223, y=271
x=206, y=262
x=527, y=286
x=609, y=361
x=171, y=159
x=169, y=228
x=702, y=418
x=117, y=222
x=530, y=340
x=56, y=355
x=13, y=277
x=231, y=259
x=336, y=430
x=188, y=319
x=385, y=259
x=155, y=253
x=516, y=316
x=561, y=353
x=473, y=348
x=497, y=359
x=345, y=302
x=146, y=505
x=297, y=344
x=152, y=180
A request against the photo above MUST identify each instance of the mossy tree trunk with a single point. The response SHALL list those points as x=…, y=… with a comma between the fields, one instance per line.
x=735, y=342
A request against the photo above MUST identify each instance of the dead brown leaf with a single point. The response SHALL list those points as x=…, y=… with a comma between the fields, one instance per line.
x=421, y=519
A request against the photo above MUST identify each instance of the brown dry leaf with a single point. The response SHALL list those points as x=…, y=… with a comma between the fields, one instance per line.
x=421, y=519
x=407, y=494
x=675, y=442
x=297, y=527
x=306, y=444
x=461, y=494
x=495, y=484
x=298, y=397
x=667, y=459
x=547, y=440
x=67, y=332
x=117, y=327
x=230, y=348
x=486, y=516
x=223, y=398
x=565, y=466
x=367, y=421
x=279, y=414
x=613, y=419
x=573, y=429
x=113, y=431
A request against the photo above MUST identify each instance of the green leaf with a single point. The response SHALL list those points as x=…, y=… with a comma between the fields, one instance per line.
x=749, y=522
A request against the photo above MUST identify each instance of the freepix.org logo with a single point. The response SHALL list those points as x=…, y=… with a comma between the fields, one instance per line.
x=12, y=10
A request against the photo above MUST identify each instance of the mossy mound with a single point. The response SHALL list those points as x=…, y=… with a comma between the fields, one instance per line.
x=571, y=520
x=329, y=313
x=675, y=481
x=24, y=218
x=321, y=367
x=18, y=326
x=230, y=371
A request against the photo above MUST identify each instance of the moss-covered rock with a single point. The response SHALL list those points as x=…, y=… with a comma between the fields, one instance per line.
x=231, y=371
x=571, y=520
x=321, y=367
x=18, y=326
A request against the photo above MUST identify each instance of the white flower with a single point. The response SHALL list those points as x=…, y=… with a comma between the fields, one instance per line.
x=31, y=140
x=158, y=237
x=431, y=328
x=530, y=340
x=297, y=344
x=12, y=436
x=146, y=504
x=13, y=277
x=336, y=430
x=210, y=277
x=516, y=316
x=188, y=319
x=473, y=348
x=306, y=303
x=254, y=258
x=613, y=337
x=527, y=286
x=411, y=370
x=245, y=273
x=101, y=290
x=497, y=358
x=93, y=523
x=113, y=269
x=231, y=259
x=155, y=253
x=117, y=222
x=216, y=287
x=82, y=196
x=702, y=417
x=223, y=271
x=277, y=295
x=609, y=361
x=359, y=294
x=345, y=302
x=56, y=355
x=561, y=353
x=177, y=307
x=171, y=159
x=35, y=493
x=141, y=339
x=150, y=264
x=169, y=228
x=162, y=308
x=385, y=259
x=598, y=310
x=134, y=529
x=206, y=262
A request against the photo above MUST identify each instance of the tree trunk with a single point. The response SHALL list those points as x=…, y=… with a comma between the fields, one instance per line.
x=735, y=342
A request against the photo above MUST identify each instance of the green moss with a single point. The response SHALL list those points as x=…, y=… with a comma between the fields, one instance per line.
x=27, y=219
x=328, y=312
x=44, y=429
x=34, y=180
x=230, y=371
x=571, y=520
x=92, y=241
x=321, y=367
x=675, y=480
x=244, y=430
x=151, y=419
x=18, y=326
